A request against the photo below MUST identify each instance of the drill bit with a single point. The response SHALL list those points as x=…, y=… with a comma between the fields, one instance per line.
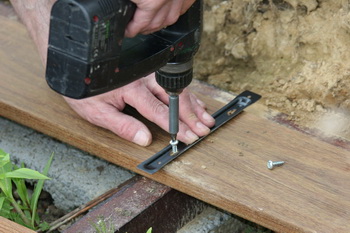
x=174, y=120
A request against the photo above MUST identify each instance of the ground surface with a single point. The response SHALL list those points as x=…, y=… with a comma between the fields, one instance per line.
x=293, y=52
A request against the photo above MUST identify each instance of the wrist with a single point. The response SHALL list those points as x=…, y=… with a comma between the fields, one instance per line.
x=35, y=14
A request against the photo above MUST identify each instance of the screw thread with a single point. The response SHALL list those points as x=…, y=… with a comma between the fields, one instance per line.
x=278, y=163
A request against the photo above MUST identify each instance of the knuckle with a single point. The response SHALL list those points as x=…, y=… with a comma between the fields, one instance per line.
x=97, y=117
x=191, y=117
x=91, y=115
x=91, y=119
x=124, y=130
x=171, y=19
x=155, y=26
x=158, y=108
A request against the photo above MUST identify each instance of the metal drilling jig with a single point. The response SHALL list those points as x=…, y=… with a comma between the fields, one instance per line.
x=176, y=148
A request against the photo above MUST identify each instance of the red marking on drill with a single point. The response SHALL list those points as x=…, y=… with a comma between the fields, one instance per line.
x=95, y=18
x=87, y=80
x=116, y=70
x=172, y=49
x=180, y=45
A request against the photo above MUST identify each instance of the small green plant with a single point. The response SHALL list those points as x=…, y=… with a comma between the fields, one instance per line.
x=101, y=226
x=12, y=179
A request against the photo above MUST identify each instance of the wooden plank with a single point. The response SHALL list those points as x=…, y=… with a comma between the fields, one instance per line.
x=310, y=193
x=7, y=226
x=140, y=204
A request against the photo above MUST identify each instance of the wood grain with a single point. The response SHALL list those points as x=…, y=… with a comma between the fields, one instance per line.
x=310, y=193
x=139, y=204
x=7, y=226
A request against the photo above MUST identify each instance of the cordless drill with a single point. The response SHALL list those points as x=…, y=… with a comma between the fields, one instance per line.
x=88, y=54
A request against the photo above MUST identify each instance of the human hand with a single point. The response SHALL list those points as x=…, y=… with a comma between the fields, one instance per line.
x=151, y=101
x=153, y=15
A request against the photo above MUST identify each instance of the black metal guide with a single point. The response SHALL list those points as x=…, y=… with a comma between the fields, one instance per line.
x=226, y=113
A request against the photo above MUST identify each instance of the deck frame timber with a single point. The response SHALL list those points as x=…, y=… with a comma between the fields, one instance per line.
x=139, y=204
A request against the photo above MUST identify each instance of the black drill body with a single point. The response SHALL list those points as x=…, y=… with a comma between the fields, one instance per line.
x=87, y=54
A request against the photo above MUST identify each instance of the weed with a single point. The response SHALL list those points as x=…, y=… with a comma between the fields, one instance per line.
x=24, y=210
x=101, y=226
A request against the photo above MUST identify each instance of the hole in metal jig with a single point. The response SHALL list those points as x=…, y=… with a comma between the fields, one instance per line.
x=172, y=153
x=244, y=101
x=229, y=113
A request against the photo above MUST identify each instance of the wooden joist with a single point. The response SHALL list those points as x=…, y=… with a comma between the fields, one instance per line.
x=139, y=204
x=310, y=193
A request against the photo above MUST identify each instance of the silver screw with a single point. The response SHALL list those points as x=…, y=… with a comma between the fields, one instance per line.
x=173, y=144
x=271, y=164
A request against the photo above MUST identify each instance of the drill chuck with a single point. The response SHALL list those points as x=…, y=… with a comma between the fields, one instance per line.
x=174, y=77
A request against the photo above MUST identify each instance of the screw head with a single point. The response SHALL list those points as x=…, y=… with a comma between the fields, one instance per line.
x=270, y=164
x=173, y=144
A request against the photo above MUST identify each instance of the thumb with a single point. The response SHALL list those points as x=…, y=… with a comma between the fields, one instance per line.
x=109, y=117
x=129, y=128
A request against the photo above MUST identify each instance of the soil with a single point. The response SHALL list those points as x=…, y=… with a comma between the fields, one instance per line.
x=293, y=52
x=47, y=211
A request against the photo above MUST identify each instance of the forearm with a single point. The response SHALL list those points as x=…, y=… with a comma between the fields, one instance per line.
x=35, y=14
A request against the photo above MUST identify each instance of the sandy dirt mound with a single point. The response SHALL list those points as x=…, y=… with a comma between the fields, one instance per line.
x=296, y=53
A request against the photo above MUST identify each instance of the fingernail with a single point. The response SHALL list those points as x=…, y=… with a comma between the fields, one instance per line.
x=141, y=138
x=191, y=137
x=202, y=127
x=207, y=117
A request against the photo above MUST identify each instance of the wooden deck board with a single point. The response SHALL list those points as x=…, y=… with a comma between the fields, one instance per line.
x=310, y=193
x=8, y=226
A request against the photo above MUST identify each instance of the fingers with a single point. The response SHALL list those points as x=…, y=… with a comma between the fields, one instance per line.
x=151, y=101
x=194, y=115
x=97, y=111
x=164, y=17
x=140, y=22
x=126, y=127
x=143, y=17
x=194, y=120
x=151, y=16
x=186, y=5
x=155, y=110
